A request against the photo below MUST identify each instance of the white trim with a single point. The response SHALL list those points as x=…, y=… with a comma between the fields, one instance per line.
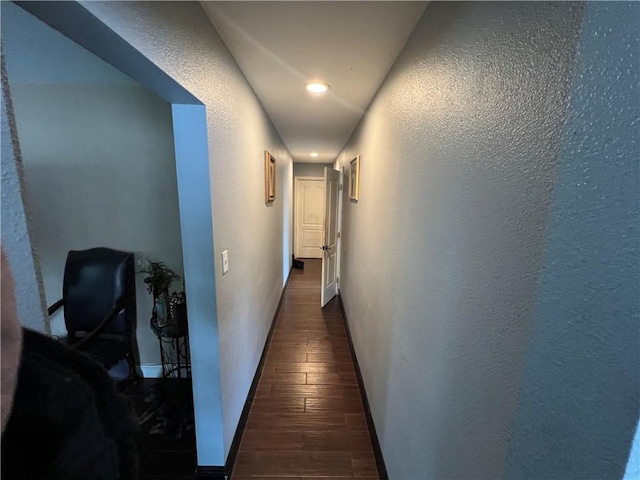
x=151, y=371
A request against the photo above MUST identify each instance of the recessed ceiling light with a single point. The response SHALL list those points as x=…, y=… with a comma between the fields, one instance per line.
x=314, y=154
x=317, y=87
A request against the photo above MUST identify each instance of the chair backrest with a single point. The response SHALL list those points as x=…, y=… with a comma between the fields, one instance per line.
x=95, y=280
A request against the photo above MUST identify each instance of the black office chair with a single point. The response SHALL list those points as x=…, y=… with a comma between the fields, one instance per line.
x=99, y=299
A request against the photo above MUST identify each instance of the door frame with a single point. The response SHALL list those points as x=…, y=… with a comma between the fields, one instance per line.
x=295, y=208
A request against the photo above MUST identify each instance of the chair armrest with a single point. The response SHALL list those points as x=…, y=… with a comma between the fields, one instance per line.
x=55, y=306
x=103, y=324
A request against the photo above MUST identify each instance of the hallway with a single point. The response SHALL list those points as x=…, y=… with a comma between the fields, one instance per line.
x=488, y=218
x=307, y=418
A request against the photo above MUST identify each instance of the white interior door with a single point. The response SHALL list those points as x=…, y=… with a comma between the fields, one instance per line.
x=330, y=246
x=309, y=217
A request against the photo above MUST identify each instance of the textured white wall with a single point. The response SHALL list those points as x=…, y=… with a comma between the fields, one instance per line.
x=580, y=400
x=178, y=38
x=98, y=158
x=310, y=169
x=441, y=252
x=17, y=234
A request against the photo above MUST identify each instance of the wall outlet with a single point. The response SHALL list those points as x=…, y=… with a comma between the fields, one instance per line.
x=225, y=261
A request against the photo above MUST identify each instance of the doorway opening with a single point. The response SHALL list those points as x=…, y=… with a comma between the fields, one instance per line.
x=89, y=181
x=187, y=121
x=316, y=228
x=309, y=217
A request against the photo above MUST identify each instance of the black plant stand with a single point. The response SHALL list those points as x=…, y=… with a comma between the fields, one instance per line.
x=174, y=349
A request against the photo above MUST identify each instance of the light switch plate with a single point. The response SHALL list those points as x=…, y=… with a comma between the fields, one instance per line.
x=225, y=261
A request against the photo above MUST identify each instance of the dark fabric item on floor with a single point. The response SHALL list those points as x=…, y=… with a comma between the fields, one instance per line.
x=68, y=421
x=163, y=456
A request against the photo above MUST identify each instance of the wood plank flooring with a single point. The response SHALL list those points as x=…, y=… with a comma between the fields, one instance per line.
x=307, y=419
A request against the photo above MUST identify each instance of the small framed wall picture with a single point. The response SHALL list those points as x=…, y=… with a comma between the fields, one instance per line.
x=354, y=178
x=269, y=177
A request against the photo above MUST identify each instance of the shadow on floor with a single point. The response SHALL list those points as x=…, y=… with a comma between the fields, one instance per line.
x=166, y=442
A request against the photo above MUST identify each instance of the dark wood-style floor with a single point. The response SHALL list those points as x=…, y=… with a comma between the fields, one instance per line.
x=307, y=419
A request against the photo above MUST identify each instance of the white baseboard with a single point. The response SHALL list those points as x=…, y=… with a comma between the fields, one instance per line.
x=155, y=370
x=151, y=371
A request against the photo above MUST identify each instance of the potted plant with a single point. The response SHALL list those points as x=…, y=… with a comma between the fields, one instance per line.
x=158, y=279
